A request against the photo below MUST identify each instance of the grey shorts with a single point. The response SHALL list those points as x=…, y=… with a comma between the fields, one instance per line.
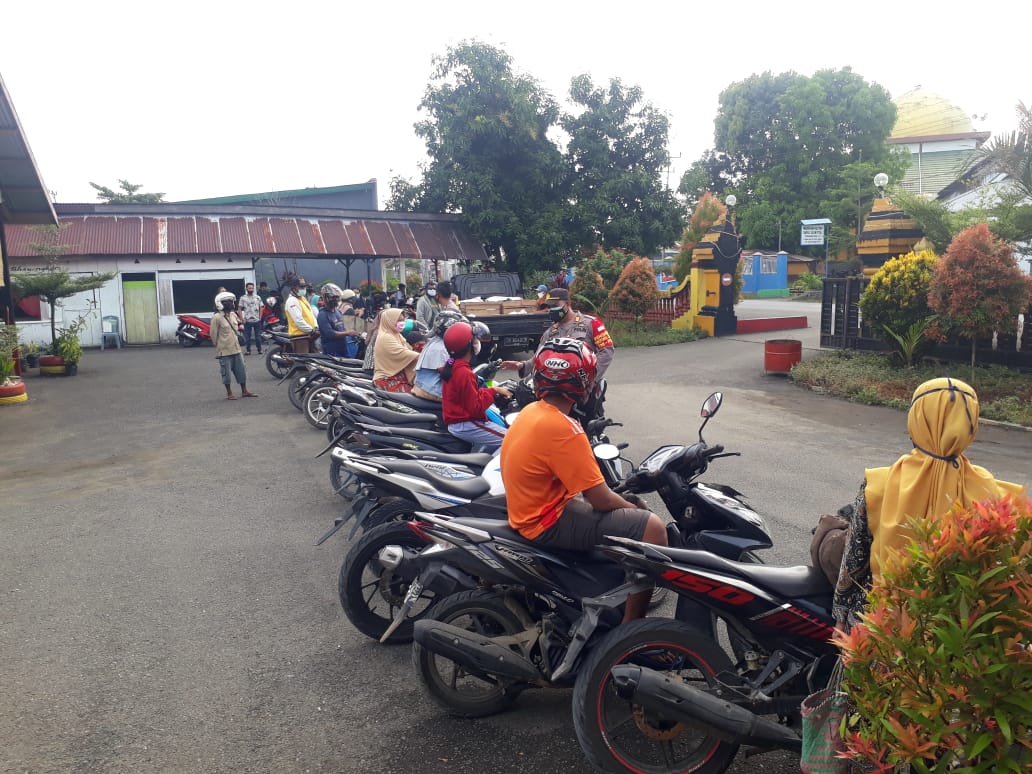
x=581, y=528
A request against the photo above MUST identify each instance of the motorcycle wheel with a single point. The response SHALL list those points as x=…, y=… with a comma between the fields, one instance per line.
x=296, y=389
x=618, y=736
x=449, y=685
x=278, y=370
x=344, y=482
x=371, y=595
x=316, y=412
x=186, y=341
x=389, y=512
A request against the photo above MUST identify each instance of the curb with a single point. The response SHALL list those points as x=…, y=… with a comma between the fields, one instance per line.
x=1004, y=425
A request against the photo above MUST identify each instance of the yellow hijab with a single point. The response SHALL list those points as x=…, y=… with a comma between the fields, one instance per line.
x=391, y=353
x=935, y=476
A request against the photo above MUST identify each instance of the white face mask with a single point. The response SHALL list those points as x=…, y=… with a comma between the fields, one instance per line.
x=476, y=347
x=431, y=293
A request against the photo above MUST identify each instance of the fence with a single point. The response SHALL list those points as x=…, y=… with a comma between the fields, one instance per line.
x=843, y=328
x=664, y=310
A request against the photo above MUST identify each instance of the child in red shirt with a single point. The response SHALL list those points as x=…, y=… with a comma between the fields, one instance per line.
x=463, y=401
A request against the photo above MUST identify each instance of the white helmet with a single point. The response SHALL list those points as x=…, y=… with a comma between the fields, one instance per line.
x=329, y=290
x=223, y=296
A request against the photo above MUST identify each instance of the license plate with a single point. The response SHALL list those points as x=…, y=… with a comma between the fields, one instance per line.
x=413, y=592
x=516, y=341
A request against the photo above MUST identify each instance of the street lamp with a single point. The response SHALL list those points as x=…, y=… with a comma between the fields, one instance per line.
x=881, y=180
x=731, y=200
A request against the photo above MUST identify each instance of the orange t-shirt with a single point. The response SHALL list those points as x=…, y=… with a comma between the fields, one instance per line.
x=546, y=462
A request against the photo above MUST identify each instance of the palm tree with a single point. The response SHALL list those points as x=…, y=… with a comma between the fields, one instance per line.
x=1009, y=154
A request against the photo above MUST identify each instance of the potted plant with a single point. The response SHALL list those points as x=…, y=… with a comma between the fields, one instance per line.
x=30, y=354
x=67, y=345
x=940, y=669
x=12, y=389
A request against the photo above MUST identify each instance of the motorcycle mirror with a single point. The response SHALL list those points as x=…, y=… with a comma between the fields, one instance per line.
x=607, y=451
x=711, y=404
x=709, y=408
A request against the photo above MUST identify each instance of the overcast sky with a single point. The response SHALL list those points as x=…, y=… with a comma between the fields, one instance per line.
x=216, y=98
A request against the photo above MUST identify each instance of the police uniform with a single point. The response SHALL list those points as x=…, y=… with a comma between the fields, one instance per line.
x=583, y=327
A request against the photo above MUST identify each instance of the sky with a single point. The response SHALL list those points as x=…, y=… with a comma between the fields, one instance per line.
x=218, y=98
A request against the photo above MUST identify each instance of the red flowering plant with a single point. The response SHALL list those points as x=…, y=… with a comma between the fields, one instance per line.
x=939, y=672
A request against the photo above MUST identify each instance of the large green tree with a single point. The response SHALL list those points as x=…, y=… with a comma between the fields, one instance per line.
x=793, y=147
x=490, y=157
x=617, y=152
x=129, y=194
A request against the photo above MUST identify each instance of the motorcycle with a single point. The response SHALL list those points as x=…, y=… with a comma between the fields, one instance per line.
x=193, y=330
x=279, y=346
x=661, y=695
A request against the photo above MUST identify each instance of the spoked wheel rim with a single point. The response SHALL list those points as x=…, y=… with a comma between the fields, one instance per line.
x=318, y=411
x=451, y=677
x=383, y=592
x=641, y=739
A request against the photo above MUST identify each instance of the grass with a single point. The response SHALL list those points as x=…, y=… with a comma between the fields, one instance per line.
x=874, y=379
x=626, y=334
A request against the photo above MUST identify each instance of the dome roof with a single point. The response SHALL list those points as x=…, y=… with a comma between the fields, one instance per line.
x=921, y=113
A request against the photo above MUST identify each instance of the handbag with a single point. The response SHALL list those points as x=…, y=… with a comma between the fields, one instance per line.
x=822, y=714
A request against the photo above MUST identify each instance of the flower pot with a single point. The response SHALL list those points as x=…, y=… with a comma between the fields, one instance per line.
x=32, y=361
x=12, y=393
x=52, y=365
x=71, y=369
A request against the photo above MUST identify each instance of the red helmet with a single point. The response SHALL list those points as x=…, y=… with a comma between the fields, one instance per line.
x=458, y=338
x=565, y=366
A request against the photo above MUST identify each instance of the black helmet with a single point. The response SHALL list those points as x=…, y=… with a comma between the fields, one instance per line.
x=445, y=319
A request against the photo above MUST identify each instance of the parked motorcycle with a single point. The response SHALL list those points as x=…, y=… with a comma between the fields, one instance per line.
x=193, y=330
x=661, y=695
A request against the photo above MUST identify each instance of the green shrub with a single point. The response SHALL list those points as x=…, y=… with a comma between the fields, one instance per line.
x=588, y=286
x=626, y=334
x=808, y=281
x=940, y=669
x=897, y=296
x=636, y=291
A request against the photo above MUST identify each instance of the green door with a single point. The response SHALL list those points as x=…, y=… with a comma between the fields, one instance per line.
x=140, y=297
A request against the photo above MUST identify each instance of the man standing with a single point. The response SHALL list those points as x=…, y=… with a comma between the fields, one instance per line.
x=570, y=324
x=300, y=318
x=225, y=335
x=426, y=306
x=398, y=298
x=250, y=307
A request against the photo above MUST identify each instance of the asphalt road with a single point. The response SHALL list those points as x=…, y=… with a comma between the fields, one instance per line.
x=164, y=607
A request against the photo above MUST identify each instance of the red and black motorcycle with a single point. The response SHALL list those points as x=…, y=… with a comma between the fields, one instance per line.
x=193, y=330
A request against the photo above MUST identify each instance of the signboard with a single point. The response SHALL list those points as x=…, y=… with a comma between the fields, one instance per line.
x=811, y=235
x=726, y=280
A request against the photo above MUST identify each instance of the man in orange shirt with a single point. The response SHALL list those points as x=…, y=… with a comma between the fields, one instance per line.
x=555, y=492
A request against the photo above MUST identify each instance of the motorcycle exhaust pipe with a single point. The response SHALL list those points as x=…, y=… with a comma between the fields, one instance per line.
x=473, y=651
x=677, y=701
x=188, y=332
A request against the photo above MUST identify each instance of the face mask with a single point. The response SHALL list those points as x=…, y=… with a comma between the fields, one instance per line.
x=432, y=293
x=332, y=303
x=556, y=313
x=302, y=292
x=476, y=347
x=227, y=306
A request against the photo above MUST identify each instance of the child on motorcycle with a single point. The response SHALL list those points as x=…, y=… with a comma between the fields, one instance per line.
x=463, y=401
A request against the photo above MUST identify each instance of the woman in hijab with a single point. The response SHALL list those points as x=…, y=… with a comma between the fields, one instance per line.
x=394, y=361
x=928, y=482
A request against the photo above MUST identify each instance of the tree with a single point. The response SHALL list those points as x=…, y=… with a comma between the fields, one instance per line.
x=895, y=303
x=588, y=286
x=486, y=135
x=636, y=291
x=54, y=282
x=617, y=152
x=977, y=287
x=784, y=145
x=608, y=264
x=128, y=194
x=708, y=212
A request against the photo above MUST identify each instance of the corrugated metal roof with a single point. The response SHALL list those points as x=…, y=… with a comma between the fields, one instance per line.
x=183, y=230
x=23, y=196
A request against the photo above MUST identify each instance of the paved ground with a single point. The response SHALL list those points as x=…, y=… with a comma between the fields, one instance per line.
x=163, y=607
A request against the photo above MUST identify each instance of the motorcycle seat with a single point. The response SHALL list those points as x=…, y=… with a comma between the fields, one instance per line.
x=469, y=488
x=477, y=460
x=390, y=417
x=798, y=581
x=410, y=400
x=499, y=528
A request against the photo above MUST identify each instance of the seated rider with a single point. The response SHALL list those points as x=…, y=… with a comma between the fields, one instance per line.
x=555, y=491
x=464, y=401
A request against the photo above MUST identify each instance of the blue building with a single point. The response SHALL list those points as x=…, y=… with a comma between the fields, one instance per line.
x=765, y=273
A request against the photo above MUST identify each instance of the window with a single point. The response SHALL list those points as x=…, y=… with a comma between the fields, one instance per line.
x=747, y=265
x=198, y=296
x=769, y=265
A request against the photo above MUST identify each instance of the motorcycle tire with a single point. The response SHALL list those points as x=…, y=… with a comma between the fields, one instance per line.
x=644, y=741
x=297, y=388
x=317, y=413
x=344, y=482
x=389, y=511
x=277, y=369
x=488, y=615
x=660, y=594
x=370, y=595
x=186, y=341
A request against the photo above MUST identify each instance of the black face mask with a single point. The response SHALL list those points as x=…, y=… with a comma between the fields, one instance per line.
x=557, y=313
x=227, y=306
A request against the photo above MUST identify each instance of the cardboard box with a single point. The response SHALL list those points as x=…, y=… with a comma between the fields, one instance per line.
x=523, y=305
x=475, y=308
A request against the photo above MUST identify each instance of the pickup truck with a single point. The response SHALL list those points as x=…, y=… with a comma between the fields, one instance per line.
x=513, y=330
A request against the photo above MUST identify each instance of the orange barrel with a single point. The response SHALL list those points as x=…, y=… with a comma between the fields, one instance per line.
x=779, y=355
